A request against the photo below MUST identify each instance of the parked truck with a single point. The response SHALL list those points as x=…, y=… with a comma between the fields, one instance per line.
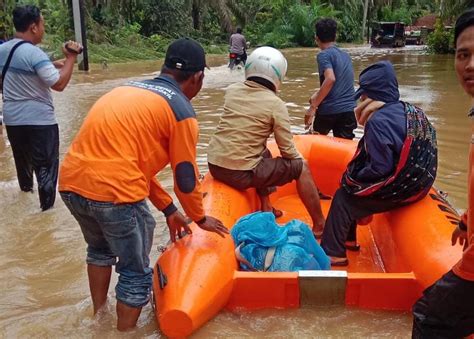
x=388, y=34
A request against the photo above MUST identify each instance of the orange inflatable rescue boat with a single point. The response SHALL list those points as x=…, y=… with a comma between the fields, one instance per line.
x=402, y=252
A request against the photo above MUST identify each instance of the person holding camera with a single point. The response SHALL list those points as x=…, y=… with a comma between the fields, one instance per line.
x=28, y=75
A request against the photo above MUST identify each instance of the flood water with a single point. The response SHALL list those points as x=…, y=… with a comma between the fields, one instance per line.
x=43, y=281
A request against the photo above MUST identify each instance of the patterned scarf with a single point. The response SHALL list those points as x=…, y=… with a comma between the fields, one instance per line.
x=415, y=171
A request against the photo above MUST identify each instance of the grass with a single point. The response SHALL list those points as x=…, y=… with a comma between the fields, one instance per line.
x=129, y=50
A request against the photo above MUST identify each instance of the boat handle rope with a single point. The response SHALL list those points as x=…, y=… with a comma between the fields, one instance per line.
x=162, y=279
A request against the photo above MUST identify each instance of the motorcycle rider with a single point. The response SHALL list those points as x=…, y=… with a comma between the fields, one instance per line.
x=238, y=47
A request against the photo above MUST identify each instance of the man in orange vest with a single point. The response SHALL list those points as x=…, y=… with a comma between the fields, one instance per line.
x=128, y=136
x=446, y=309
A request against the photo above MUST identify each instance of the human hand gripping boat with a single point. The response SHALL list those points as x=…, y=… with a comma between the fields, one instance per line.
x=402, y=252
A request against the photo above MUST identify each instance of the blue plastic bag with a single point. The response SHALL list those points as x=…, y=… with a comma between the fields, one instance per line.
x=292, y=246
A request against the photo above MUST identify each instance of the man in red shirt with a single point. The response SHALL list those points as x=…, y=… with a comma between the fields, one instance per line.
x=446, y=309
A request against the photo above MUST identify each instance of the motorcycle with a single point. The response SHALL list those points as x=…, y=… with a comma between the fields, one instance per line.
x=235, y=60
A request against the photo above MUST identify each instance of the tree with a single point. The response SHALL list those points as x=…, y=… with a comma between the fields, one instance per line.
x=6, y=24
x=364, y=19
x=245, y=11
x=452, y=8
x=222, y=8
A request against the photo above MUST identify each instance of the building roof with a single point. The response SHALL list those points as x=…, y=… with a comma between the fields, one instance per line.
x=427, y=21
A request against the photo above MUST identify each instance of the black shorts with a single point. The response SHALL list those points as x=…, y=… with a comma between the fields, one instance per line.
x=270, y=172
x=341, y=124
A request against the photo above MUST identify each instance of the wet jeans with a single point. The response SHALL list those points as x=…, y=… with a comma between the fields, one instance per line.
x=36, y=149
x=118, y=231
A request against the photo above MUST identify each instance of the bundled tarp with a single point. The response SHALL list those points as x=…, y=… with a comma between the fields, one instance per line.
x=263, y=245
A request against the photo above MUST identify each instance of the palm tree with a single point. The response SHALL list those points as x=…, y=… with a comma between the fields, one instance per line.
x=196, y=7
x=364, y=18
x=228, y=11
x=221, y=7
x=224, y=13
x=245, y=11
x=452, y=8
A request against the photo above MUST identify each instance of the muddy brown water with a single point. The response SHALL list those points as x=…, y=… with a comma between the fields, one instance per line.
x=43, y=282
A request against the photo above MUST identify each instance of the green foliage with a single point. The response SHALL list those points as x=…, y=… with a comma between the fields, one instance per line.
x=300, y=20
x=402, y=14
x=210, y=31
x=245, y=11
x=142, y=29
x=287, y=23
x=113, y=53
x=126, y=43
x=450, y=9
x=126, y=35
x=350, y=21
x=159, y=42
x=165, y=17
x=406, y=11
x=6, y=23
x=57, y=13
x=278, y=38
x=441, y=41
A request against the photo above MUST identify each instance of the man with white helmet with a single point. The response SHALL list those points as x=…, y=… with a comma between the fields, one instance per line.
x=237, y=153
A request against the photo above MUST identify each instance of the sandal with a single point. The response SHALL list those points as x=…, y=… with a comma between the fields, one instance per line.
x=323, y=196
x=336, y=261
x=354, y=248
x=277, y=213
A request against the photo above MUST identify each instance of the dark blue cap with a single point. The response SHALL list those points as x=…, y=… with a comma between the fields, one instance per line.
x=185, y=54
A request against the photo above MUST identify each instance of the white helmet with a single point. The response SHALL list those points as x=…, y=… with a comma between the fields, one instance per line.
x=267, y=63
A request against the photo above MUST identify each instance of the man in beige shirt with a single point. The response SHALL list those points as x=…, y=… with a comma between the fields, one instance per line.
x=237, y=153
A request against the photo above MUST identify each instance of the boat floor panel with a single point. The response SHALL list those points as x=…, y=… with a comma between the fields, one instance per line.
x=367, y=260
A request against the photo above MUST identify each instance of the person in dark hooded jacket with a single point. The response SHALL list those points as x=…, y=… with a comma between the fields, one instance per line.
x=395, y=163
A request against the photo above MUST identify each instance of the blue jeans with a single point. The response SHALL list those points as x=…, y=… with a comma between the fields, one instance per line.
x=123, y=231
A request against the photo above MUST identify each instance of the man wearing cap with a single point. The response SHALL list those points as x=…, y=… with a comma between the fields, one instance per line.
x=128, y=136
x=446, y=309
x=395, y=162
x=28, y=75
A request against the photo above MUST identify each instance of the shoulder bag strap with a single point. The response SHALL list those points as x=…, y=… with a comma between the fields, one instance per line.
x=9, y=59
